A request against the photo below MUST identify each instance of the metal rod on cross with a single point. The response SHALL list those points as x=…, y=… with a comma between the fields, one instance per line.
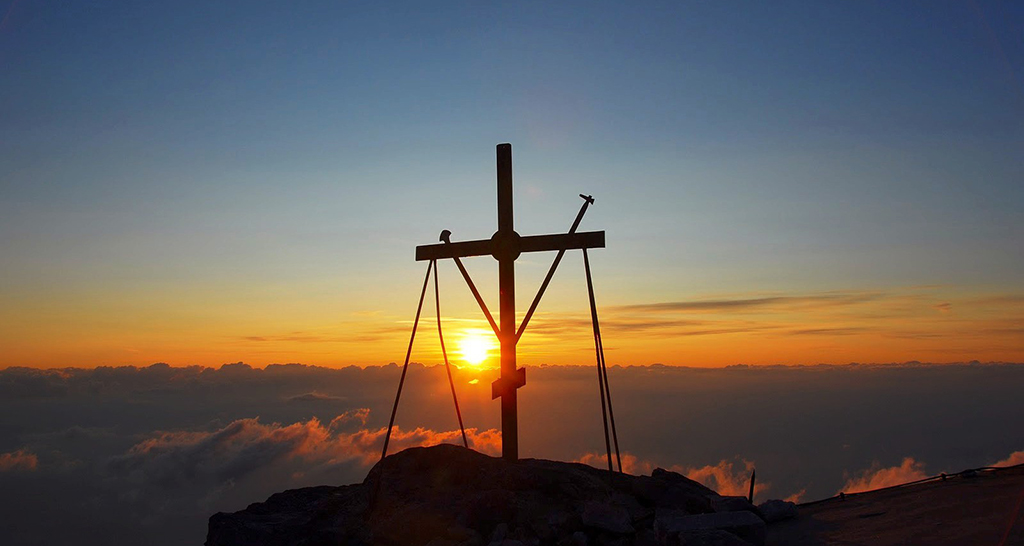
x=505, y=246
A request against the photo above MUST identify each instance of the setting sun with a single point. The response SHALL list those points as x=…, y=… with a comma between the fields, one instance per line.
x=476, y=345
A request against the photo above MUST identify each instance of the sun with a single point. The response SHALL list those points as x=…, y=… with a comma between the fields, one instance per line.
x=476, y=346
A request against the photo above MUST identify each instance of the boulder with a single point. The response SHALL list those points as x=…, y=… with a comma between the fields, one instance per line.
x=745, y=525
x=447, y=495
x=710, y=537
x=735, y=504
x=777, y=510
x=607, y=517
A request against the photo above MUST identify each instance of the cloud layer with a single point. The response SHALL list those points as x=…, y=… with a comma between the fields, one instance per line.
x=146, y=455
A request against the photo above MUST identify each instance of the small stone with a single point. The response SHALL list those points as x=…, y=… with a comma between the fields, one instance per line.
x=557, y=519
x=607, y=517
x=685, y=499
x=710, y=537
x=500, y=532
x=743, y=524
x=459, y=533
x=610, y=540
x=632, y=507
x=542, y=529
x=475, y=540
x=646, y=537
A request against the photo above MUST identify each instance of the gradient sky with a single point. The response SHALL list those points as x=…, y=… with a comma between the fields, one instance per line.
x=783, y=182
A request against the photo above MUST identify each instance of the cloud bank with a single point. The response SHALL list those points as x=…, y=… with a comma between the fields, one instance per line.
x=146, y=455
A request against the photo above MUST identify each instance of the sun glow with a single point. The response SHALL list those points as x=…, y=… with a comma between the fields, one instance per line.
x=475, y=346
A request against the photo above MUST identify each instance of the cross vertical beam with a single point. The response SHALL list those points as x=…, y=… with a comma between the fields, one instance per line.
x=507, y=302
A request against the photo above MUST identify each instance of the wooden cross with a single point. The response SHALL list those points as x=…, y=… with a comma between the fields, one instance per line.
x=505, y=246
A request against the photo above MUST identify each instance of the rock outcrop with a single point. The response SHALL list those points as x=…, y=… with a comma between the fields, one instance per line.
x=448, y=495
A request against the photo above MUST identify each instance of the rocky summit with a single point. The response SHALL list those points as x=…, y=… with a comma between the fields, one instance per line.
x=449, y=495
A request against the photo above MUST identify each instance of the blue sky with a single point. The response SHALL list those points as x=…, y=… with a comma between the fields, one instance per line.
x=229, y=151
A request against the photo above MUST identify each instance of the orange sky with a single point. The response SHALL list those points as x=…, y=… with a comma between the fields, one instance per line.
x=932, y=324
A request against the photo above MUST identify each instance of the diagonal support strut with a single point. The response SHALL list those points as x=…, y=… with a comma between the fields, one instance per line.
x=587, y=201
x=446, y=237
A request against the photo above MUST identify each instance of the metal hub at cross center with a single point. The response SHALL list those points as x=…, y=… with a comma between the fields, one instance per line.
x=505, y=246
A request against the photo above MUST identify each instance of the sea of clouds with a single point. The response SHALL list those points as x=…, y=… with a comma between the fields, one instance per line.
x=133, y=455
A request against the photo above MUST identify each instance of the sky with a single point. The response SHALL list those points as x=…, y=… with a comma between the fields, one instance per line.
x=790, y=182
x=145, y=455
x=220, y=187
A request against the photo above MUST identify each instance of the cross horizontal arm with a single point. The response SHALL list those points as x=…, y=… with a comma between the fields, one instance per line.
x=532, y=243
x=462, y=249
x=562, y=241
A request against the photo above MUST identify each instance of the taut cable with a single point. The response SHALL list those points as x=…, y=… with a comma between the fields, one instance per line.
x=444, y=353
x=401, y=382
x=602, y=371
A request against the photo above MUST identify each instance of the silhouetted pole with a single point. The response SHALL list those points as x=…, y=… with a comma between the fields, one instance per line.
x=507, y=252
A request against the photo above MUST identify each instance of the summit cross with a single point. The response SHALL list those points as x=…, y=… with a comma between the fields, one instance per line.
x=505, y=246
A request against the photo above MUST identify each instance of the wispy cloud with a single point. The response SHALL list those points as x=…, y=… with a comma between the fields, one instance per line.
x=726, y=477
x=351, y=332
x=314, y=396
x=796, y=497
x=876, y=477
x=1000, y=300
x=360, y=415
x=631, y=464
x=785, y=315
x=1015, y=458
x=296, y=337
x=870, y=325
x=850, y=331
x=20, y=460
x=760, y=304
x=558, y=325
